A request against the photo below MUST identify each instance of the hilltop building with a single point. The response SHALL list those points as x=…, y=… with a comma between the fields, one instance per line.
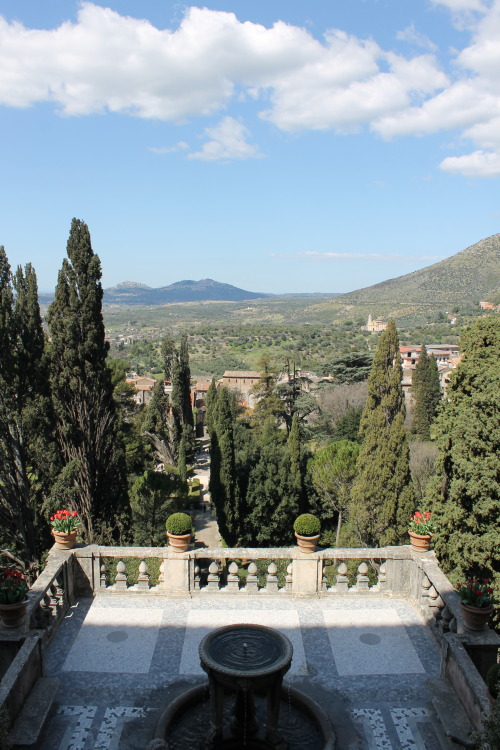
x=143, y=388
x=375, y=326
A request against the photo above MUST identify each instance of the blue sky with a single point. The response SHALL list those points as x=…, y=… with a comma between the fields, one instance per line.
x=277, y=145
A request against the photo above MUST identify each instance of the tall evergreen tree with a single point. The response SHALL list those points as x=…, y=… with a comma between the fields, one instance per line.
x=81, y=387
x=466, y=495
x=210, y=405
x=382, y=495
x=426, y=394
x=224, y=491
x=157, y=426
x=26, y=454
x=182, y=409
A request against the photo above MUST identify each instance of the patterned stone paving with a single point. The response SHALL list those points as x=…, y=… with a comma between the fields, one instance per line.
x=121, y=659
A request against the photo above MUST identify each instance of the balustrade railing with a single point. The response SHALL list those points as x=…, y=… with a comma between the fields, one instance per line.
x=51, y=594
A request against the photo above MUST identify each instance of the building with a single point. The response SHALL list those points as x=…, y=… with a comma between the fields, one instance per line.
x=242, y=381
x=143, y=388
x=375, y=326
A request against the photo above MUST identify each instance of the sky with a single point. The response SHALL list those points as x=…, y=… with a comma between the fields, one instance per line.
x=277, y=145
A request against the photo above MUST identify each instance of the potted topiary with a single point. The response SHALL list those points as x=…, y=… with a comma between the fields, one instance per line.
x=307, y=528
x=179, y=526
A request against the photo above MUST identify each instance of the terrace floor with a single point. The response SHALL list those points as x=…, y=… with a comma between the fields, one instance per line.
x=121, y=659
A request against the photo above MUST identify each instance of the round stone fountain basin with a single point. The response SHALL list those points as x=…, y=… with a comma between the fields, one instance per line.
x=247, y=656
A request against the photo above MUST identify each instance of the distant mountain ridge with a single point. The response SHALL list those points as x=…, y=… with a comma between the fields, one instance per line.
x=470, y=275
x=132, y=293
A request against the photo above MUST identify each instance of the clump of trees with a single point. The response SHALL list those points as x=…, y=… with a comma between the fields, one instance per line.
x=465, y=494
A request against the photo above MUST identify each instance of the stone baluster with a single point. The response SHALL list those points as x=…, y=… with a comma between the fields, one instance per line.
x=197, y=578
x=43, y=614
x=324, y=580
x=54, y=601
x=382, y=577
x=252, y=580
x=233, y=579
x=289, y=579
x=103, y=579
x=121, y=576
x=143, y=577
x=60, y=592
x=362, y=580
x=342, y=578
x=445, y=620
x=424, y=589
x=213, y=577
x=272, y=579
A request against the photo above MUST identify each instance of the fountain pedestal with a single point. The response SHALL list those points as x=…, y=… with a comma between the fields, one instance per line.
x=245, y=659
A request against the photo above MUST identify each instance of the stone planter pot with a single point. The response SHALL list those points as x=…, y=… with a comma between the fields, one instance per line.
x=475, y=618
x=307, y=543
x=420, y=542
x=179, y=543
x=63, y=539
x=12, y=615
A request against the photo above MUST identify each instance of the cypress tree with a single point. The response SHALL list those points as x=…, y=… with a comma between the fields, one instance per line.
x=466, y=495
x=157, y=425
x=382, y=495
x=26, y=453
x=426, y=393
x=181, y=396
x=223, y=487
x=82, y=389
x=210, y=406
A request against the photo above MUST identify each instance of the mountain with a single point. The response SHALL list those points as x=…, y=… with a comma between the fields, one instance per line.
x=131, y=293
x=469, y=276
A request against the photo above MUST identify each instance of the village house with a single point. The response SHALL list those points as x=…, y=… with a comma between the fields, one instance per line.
x=447, y=357
x=242, y=381
x=143, y=388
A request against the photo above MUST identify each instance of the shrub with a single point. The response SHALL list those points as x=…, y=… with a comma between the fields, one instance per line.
x=493, y=679
x=307, y=525
x=179, y=524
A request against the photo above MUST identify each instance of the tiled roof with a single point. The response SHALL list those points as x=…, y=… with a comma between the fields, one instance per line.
x=241, y=374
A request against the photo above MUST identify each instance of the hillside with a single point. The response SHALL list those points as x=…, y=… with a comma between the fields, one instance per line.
x=130, y=293
x=467, y=277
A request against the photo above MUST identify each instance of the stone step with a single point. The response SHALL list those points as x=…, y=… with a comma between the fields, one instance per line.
x=451, y=714
x=29, y=724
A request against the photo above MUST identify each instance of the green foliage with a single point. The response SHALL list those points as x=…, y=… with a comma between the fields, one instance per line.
x=87, y=426
x=493, y=679
x=5, y=743
x=347, y=426
x=307, y=525
x=28, y=455
x=153, y=496
x=348, y=367
x=382, y=495
x=333, y=470
x=466, y=495
x=179, y=524
x=426, y=393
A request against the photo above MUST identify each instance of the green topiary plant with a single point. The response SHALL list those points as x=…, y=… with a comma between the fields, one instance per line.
x=307, y=525
x=493, y=679
x=179, y=524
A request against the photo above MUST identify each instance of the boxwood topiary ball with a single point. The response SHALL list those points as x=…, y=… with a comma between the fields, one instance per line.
x=307, y=525
x=179, y=524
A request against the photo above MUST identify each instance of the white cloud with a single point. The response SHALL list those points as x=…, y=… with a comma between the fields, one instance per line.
x=477, y=164
x=317, y=256
x=412, y=36
x=106, y=61
x=227, y=141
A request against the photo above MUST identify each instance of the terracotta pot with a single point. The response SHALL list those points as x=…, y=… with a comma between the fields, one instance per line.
x=475, y=618
x=307, y=543
x=179, y=543
x=12, y=615
x=420, y=542
x=64, y=540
